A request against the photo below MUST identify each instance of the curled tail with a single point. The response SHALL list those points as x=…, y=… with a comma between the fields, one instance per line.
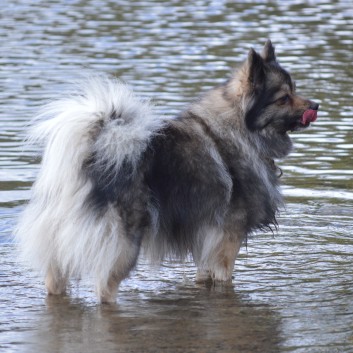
x=104, y=125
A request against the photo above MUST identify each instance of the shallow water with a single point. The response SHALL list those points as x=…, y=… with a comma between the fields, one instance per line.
x=292, y=290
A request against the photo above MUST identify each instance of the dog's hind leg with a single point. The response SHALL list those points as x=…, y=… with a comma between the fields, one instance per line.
x=126, y=261
x=55, y=281
x=107, y=295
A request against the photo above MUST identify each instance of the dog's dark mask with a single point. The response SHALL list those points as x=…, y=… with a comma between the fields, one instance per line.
x=272, y=101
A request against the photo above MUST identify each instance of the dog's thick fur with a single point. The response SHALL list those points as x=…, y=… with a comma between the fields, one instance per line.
x=116, y=178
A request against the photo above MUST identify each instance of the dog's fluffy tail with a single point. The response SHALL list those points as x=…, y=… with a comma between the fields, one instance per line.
x=103, y=118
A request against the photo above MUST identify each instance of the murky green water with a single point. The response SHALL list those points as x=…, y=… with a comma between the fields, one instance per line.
x=292, y=291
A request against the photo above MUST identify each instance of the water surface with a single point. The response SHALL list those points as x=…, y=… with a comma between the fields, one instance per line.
x=292, y=290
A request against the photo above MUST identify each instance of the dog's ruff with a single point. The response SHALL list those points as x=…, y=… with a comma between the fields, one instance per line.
x=115, y=177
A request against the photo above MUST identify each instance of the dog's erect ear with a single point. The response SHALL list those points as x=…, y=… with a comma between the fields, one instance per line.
x=256, y=73
x=268, y=52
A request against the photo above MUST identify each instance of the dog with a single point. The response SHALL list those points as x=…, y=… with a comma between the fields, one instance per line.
x=117, y=180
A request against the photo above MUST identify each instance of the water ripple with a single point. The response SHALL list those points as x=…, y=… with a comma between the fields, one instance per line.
x=293, y=288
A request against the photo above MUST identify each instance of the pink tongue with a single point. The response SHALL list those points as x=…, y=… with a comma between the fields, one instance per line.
x=309, y=116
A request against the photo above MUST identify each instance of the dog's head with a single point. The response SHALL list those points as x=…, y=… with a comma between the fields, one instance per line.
x=271, y=99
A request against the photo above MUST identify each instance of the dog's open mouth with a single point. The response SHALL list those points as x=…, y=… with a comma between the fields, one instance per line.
x=308, y=117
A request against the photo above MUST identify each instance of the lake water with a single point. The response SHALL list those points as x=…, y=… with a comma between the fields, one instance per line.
x=293, y=289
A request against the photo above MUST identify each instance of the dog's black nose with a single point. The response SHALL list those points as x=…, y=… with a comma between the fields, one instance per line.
x=314, y=106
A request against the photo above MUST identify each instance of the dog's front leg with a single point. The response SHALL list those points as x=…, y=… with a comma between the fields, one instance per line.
x=218, y=263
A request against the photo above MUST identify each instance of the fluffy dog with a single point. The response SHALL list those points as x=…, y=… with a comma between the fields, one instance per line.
x=117, y=179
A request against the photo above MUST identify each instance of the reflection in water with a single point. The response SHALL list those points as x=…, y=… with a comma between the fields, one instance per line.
x=188, y=319
x=293, y=291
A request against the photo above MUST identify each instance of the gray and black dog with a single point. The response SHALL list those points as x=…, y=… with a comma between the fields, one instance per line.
x=116, y=179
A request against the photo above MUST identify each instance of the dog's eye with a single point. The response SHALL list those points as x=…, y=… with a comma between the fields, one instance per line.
x=284, y=100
